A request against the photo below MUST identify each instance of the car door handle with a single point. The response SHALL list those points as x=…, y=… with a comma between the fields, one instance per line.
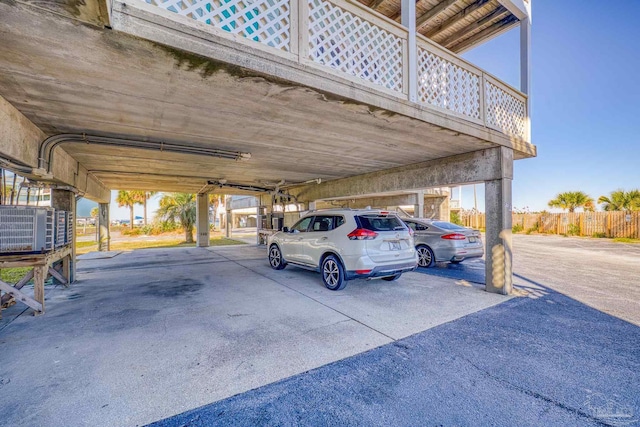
x=324, y=238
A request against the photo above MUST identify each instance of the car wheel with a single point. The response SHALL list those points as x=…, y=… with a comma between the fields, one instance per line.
x=392, y=278
x=333, y=273
x=425, y=256
x=275, y=258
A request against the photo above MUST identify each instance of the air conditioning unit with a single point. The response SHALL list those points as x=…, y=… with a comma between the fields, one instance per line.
x=70, y=222
x=26, y=229
x=61, y=228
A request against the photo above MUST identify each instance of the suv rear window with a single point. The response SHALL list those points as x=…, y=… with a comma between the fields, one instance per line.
x=380, y=222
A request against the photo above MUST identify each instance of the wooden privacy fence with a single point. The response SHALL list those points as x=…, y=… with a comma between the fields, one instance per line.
x=596, y=224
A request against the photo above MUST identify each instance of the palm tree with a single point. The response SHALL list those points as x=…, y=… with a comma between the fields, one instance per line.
x=621, y=200
x=141, y=198
x=216, y=202
x=179, y=207
x=126, y=198
x=571, y=200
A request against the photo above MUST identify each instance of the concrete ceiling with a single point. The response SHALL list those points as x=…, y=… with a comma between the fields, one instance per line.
x=69, y=77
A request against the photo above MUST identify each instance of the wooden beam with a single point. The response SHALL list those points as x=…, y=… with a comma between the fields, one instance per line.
x=456, y=18
x=468, y=29
x=39, y=276
x=19, y=296
x=59, y=277
x=376, y=4
x=5, y=298
x=434, y=11
x=489, y=32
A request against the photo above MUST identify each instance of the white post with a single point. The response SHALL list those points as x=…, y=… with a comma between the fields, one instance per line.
x=409, y=21
x=202, y=220
x=103, y=227
x=418, y=209
x=525, y=67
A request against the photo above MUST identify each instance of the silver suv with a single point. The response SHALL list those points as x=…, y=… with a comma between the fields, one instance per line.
x=345, y=244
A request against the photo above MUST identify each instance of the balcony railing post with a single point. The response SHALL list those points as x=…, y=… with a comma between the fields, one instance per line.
x=483, y=102
x=409, y=21
x=302, y=27
x=294, y=28
x=525, y=70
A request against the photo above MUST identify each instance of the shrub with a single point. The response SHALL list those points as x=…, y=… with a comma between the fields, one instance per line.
x=573, y=230
x=454, y=217
x=132, y=231
x=599, y=235
x=517, y=228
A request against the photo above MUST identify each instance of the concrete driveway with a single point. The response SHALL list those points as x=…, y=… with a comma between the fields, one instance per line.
x=152, y=333
x=566, y=354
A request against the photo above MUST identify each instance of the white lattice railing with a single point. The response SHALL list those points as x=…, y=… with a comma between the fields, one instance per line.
x=349, y=39
x=448, y=85
x=505, y=109
x=264, y=21
x=347, y=42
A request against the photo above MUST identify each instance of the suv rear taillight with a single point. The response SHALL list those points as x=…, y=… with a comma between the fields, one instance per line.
x=411, y=232
x=454, y=236
x=362, y=234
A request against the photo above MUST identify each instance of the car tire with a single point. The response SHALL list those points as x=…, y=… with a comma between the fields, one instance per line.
x=275, y=258
x=392, y=278
x=426, y=258
x=332, y=272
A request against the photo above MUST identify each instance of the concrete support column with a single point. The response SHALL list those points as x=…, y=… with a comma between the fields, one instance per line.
x=418, y=208
x=66, y=201
x=104, y=236
x=499, y=273
x=202, y=220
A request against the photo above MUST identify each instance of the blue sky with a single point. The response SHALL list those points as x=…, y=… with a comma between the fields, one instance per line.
x=585, y=100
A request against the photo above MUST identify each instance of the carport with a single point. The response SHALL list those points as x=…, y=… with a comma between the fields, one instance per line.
x=151, y=333
x=142, y=96
x=105, y=94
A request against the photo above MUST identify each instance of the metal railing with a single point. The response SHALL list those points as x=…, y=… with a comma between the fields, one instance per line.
x=354, y=42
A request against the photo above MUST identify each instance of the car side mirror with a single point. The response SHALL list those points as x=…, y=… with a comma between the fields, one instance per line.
x=285, y=229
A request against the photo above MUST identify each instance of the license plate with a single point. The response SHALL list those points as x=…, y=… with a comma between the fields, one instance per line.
x=394, y=246
x=472, y=240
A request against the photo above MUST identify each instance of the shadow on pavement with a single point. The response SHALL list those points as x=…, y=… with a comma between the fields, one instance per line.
x=543, y=359
x=472, y=271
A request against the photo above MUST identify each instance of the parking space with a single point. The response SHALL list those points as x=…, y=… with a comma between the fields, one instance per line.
x=151, y=333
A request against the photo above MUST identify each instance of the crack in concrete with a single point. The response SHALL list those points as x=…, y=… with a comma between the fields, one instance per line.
x=539, y=396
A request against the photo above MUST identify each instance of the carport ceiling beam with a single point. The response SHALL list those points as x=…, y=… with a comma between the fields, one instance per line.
x=479, y=166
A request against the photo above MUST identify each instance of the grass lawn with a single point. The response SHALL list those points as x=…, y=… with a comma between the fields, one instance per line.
x=85, y=247
x=626, y=240
x=12, y=275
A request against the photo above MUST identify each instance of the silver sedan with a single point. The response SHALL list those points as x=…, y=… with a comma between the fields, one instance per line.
x=438, y=241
